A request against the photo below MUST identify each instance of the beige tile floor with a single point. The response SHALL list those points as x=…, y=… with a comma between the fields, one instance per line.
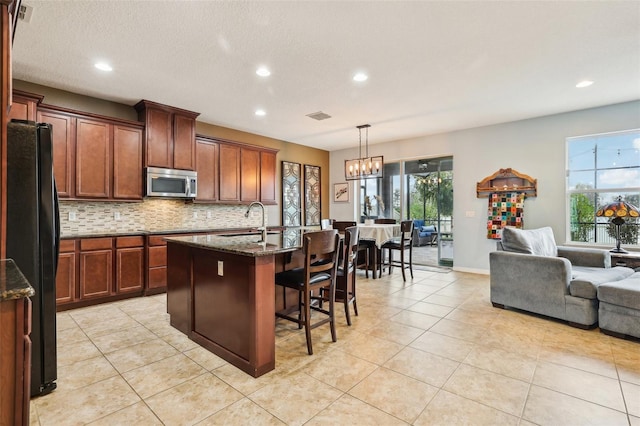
x=432, y=351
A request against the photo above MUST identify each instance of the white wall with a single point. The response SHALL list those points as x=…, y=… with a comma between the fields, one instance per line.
x=535, y=147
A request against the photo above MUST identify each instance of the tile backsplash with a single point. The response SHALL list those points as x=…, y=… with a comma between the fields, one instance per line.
x=85, y=217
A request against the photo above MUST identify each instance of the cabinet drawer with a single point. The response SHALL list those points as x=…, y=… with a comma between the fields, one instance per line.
x=96, y=244
x=67, y=246
x=157, y=256
x=157, y=240
x=124, y=242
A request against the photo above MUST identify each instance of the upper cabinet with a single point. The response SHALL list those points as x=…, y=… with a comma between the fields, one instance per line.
x=95, y=157
x=170, y=137
x=234, y=173
x=24, y=105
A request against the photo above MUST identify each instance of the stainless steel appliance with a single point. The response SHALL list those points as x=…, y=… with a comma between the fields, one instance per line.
x=171, y=183
x=33, y=237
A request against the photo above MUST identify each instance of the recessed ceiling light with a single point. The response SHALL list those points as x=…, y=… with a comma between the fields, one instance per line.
x=263, y=72
x=360, y=77
x=260, y=112
x=103, y=66
x=584, y=83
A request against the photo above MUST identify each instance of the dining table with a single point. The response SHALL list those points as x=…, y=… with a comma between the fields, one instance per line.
x=377, y=235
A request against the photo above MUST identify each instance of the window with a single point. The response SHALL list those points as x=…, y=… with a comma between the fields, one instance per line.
x=599, y=169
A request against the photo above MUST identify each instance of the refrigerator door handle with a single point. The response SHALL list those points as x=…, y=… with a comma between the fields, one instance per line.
x=56, y=214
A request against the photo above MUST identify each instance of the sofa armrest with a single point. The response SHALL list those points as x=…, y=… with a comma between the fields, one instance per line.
x=525, y=281
x=582, y=256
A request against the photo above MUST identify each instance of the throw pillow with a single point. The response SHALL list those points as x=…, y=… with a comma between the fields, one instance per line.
x=429, y=228
x=539, y=242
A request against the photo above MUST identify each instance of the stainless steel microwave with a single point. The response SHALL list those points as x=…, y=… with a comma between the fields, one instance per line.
x=171, y=183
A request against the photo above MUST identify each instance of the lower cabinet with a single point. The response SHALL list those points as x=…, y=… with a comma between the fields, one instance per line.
x=106, y=269
x=157, y=261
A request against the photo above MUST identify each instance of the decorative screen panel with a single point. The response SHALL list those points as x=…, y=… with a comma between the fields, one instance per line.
x=291, y=194
x=312, y=208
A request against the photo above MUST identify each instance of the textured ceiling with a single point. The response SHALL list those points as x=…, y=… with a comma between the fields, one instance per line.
x=433, y=66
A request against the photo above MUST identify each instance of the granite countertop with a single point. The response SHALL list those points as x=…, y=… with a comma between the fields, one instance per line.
x=246, y=245
x=13, y=285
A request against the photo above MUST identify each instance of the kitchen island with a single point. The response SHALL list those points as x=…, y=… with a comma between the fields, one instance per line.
x=221, y=293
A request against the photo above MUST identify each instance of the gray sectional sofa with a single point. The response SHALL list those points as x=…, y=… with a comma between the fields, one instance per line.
x=529, y=272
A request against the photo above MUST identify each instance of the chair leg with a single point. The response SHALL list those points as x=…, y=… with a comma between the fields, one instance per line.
x=332, y=302
x=390, y=261
x=404, y=278
x=346, y=310
x=300, y=310
x=353, y=294
x=411, y=261
x=307, y=320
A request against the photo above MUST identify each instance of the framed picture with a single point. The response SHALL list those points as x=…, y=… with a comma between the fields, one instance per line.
x=340, y=192
x=312, y=210
x=291, y=194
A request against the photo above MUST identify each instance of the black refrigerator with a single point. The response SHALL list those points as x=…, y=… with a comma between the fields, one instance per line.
x=33, y=238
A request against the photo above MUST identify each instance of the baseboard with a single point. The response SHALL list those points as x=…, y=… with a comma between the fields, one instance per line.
x=471, y=270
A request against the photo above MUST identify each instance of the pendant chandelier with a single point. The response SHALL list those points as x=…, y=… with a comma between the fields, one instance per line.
x=363, y=167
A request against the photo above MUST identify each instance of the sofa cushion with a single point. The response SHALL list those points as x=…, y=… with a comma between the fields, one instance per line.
x=539, y=242
x=586, y=280
x=418, y=223
x=430, y=229
x=622, y=293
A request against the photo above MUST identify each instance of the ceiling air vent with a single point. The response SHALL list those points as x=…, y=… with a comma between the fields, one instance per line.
x=319, y=115
x=24, y=13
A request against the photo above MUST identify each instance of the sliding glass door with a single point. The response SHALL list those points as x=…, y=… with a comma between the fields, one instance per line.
x=420, y=190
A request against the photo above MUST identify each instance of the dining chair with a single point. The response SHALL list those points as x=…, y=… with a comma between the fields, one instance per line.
x=320, y=250
x=341, y=225
x=401, y=244
x=346, y=275
x=326, y=224
x=385, y=221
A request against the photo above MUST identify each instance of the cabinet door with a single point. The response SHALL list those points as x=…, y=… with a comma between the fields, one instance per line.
x=249, y=174
x=268, y=177
x=63, y=150
x=23, y=107
x=66, y=278
x=229, y=173
x=129, y=269
x=207, y=168
x=127, y=162
x=184, y=140
x=96, y=273
x=93, y=158
x=159, y=138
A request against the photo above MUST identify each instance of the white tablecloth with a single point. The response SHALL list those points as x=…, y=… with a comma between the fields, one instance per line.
x=380, y=233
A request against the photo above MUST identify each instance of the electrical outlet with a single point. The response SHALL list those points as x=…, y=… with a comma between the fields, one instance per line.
x=195, y=215
x=72, y=216
x=209, y=214
x=116, y=215
x=220, y=268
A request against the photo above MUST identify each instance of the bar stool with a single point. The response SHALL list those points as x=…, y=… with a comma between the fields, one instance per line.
x=346, y=274
x=363, y=259
x=400, y=244
x=320, y=266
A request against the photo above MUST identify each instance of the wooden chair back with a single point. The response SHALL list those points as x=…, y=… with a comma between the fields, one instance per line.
x=385, y=221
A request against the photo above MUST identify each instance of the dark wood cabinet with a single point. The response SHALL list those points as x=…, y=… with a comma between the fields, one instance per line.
x=127, y=162
x=630, y=260
x=229, y=172
x=268, y=177
x=64, y=129
x=15, y=361
x=249, y=175
x=93, y=158
x=129, y=264
x=24, y=106
x=96, y=267
x=157, y=261
x=170, y=136
x=66, y=273
x=207, y=168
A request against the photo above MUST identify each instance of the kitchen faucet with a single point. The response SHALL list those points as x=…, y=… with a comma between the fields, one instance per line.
x=263, y=228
